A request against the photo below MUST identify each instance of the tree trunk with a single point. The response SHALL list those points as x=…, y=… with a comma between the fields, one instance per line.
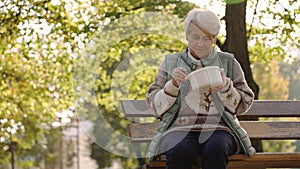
x=236, y=43
x=12, y=154
x=236, y=40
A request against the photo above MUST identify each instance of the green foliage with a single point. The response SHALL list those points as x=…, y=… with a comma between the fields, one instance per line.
x=40, y=42
x=292, y=71
x=297, y=144
x=279, y=146
x=128, y=63
x=273, y=86
x=264, y=55
x=231, y=2
x=273, y=31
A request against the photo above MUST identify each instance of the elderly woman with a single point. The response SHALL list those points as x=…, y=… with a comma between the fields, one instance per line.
x=199, y=122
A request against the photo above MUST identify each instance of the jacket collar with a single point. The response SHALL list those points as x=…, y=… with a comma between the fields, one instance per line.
x=210, y=60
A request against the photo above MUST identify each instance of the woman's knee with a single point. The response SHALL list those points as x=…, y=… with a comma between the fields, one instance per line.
x=216, y=151
x=220, y=144
x=182, y=152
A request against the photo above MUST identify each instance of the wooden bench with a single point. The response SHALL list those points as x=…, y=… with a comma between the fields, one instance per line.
x=274, y=129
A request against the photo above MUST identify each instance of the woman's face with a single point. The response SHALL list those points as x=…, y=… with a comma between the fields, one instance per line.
x=199, y=43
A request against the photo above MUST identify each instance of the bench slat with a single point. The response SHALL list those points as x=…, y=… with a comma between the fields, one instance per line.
x=256, y=130
x=274, y=108
x=135, y=108
x=259, y=160
x=260, y=108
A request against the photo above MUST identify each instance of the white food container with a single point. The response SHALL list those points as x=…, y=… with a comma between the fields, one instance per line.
x=205, y=78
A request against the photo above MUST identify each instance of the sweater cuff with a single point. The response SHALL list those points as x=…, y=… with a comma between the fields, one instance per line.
x=170, y=89
x=162, y=103
x=230, y=98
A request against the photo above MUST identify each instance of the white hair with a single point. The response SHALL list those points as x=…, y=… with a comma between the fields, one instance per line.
x=203, y=18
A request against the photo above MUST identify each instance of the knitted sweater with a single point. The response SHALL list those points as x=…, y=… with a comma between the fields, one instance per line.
x=237, y=96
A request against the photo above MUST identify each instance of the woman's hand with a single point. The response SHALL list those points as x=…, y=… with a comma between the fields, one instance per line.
x=178, y=76
x=222, y=87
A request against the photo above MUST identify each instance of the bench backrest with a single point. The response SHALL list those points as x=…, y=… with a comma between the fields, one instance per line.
x=274, y=129
x=260, y=108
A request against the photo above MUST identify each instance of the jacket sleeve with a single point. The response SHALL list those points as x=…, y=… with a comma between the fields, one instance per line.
x=237, y=97
x=162, y=93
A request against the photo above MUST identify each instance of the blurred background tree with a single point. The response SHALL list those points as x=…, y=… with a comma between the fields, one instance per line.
x=42, y=40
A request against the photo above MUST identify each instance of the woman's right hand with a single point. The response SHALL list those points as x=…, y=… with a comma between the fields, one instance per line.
x=178, y=76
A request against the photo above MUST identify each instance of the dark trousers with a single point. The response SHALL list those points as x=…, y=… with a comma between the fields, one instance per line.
x=183, y=148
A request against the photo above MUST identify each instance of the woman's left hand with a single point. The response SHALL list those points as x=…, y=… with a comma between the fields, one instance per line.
x=222, y=87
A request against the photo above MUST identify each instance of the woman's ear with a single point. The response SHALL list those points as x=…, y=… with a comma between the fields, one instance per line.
x=186, y=40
